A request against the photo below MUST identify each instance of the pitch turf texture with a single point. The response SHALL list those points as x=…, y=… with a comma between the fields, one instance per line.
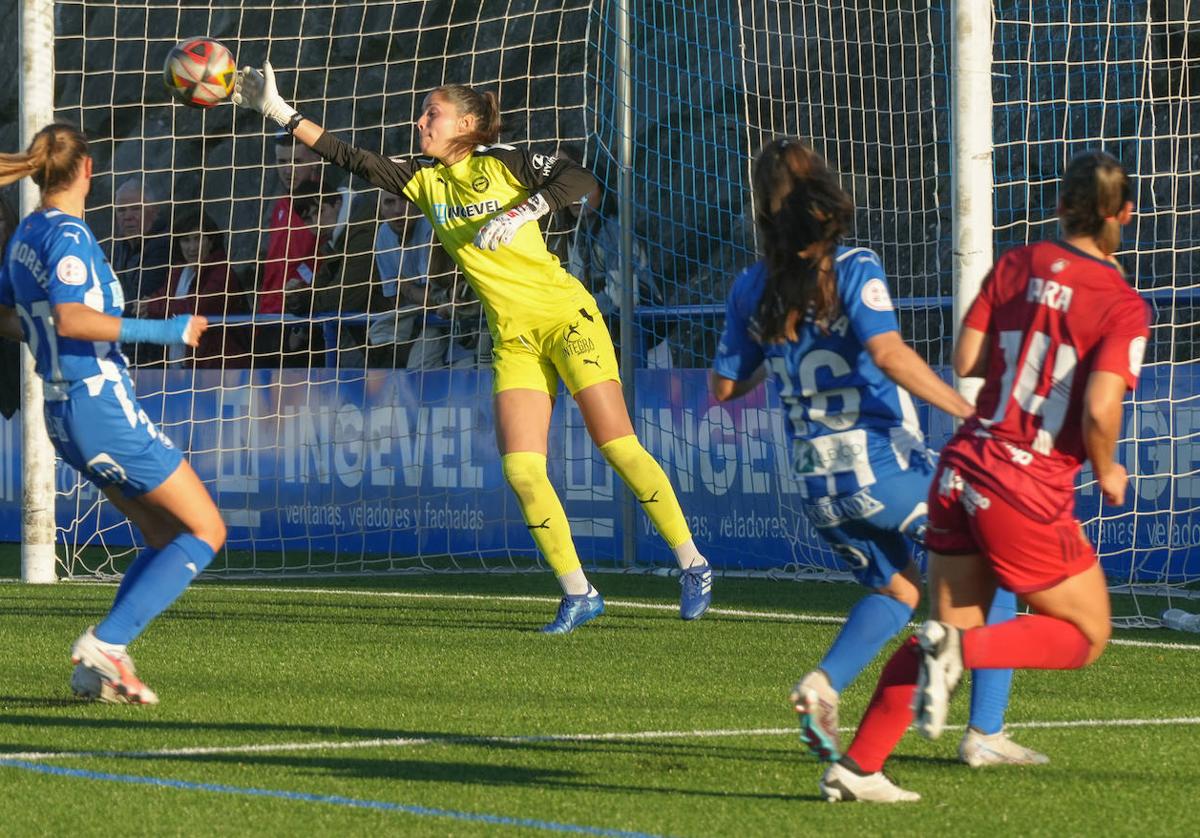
x=430, y=706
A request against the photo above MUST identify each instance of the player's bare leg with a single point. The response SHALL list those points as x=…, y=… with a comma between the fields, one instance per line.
x=960, y=589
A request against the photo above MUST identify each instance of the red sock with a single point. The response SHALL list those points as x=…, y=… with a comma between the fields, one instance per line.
x=1032, y=641
x=890, y=711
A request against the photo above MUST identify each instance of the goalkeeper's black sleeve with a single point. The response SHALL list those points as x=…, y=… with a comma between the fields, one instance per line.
x=389, y=173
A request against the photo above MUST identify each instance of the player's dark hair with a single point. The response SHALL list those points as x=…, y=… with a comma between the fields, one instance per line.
x=799, y=207
x=470, y=102
x=1094, y=189
x=52, y=159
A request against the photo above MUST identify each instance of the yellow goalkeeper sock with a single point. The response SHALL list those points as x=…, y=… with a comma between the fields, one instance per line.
x=646, y=478
x=525, y=471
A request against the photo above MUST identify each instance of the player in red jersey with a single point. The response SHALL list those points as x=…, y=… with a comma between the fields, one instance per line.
x=1058, y=336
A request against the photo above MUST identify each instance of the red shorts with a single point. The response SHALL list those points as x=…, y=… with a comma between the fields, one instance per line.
x=1026, y=555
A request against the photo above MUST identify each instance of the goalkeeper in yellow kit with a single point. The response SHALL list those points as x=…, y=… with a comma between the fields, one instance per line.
x=483, y=201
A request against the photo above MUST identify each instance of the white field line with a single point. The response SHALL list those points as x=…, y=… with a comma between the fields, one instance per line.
x=783, y=616
x=786, y=616
x=641, y=735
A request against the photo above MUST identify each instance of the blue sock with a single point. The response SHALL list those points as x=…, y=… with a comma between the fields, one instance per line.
x=990, y=687
x=872, y=622
x=135, y=569
x=156, y=586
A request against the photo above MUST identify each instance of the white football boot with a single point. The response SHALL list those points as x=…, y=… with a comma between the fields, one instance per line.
x=119, y=683
x=940, y=671
x=841, y=784
x=817, y=703
x=981, y=749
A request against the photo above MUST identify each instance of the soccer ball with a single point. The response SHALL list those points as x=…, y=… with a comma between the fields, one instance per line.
x=199, y=72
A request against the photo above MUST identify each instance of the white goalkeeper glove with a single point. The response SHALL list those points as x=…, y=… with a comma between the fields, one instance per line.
x=257, y=90
x=501, y=229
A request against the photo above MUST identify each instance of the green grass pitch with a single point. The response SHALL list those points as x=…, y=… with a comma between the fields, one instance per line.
x=430, y=706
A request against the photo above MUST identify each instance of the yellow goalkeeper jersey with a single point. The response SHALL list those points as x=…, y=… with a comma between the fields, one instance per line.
x=521, y=285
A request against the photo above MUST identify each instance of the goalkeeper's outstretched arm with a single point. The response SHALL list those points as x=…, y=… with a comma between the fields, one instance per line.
x=256, y=89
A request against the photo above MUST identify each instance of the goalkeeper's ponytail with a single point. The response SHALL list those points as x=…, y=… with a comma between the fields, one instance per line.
x=52, y=159
x=470, y=102
x=802, y=213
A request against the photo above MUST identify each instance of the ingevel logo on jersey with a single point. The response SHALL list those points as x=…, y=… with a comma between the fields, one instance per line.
x=443, y=213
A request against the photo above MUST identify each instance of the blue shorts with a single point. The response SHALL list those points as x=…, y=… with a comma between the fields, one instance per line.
x=870, y=529
x=110, y=439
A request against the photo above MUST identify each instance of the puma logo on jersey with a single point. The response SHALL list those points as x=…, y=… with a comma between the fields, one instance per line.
x=1049, y=293
x=545, y=525
x=652, y=499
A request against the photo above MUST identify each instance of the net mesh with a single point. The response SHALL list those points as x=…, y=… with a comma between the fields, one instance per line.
x=328, y=453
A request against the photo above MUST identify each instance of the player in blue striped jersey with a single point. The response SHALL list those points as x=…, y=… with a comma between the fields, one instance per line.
x=58, y=294
x=817, y=318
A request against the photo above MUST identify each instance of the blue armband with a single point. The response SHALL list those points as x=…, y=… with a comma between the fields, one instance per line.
x=134, y=330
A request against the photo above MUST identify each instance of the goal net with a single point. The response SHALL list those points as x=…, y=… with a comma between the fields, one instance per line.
x=342, y=436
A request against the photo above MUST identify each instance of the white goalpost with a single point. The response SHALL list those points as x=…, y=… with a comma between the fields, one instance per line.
x=333, y=450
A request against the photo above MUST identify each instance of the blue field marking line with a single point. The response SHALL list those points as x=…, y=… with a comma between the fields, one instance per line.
x=331, y=799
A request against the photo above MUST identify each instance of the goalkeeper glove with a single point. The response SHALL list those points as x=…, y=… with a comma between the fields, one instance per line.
x=257, y=90
x=501, y=229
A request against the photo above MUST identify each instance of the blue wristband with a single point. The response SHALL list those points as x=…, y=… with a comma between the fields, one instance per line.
x=134, y=330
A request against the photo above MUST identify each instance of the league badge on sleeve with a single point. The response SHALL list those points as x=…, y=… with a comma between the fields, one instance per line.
x=72, y=271
x=875, y=295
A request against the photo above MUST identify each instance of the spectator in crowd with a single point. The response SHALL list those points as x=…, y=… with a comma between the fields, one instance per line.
x=141, y=250
x=346, y=280
x=291, y=243
x=201, y=282
x=419, y=330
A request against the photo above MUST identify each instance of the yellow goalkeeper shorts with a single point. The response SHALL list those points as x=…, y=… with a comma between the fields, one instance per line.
x=577, y=349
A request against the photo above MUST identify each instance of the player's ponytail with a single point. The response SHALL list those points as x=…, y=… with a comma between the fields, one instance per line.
x=52, y=159
x=470, y=102
x=799, y=206
x=1095, y=188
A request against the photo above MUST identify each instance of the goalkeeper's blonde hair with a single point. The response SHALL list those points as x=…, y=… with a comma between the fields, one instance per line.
x=52, y=159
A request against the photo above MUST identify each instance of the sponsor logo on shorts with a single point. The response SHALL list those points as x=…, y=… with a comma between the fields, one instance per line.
x=106, y=468
x=852, y=556
x=972, y=499
x=578, y=347
x=1137, y=351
